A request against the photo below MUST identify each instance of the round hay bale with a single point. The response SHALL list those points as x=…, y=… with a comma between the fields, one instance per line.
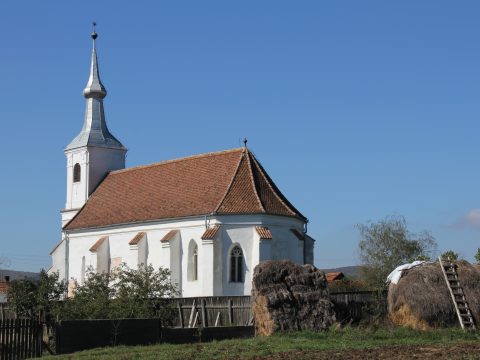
x=421, y=298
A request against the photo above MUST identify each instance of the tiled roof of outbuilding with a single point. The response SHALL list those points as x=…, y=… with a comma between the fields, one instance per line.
x=226, y=182
x=4, y=285
x=332, y=276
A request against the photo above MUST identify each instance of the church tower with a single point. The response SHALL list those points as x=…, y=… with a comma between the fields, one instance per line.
x=94, y=151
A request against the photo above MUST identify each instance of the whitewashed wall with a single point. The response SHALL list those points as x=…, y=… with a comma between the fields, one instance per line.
x=213, y=255
x=94, y=163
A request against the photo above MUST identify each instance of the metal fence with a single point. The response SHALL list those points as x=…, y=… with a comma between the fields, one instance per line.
x=77, y=335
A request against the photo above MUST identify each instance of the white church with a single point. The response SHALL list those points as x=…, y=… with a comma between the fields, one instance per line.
x=209, y=218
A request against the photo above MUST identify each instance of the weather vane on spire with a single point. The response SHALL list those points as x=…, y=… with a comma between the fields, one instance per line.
x=245, y=142
x=94, y=34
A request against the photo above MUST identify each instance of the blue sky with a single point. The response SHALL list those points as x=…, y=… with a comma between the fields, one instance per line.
x=357, y=109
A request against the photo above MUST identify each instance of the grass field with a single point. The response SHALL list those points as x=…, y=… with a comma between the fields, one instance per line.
x=348, y=343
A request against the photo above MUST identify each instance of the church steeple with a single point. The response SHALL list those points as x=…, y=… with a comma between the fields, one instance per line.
x=94, y=88
x=94, y=151
x=95, y=131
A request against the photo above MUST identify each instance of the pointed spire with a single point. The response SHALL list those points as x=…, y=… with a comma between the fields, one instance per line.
x=94, y=88
x=95, y=131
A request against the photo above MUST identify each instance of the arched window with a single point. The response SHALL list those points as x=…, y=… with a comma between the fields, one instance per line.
x=77, y=173
x=195, y=263
x=236, y=264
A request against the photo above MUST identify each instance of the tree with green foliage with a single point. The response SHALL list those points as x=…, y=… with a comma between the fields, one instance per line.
x=31, y=298
x=477, y=256
x=388, y=243
x=92, y=299
x=22, y=297
x=50, y=292
x=143, y=292
x=348, y=284
x=123, y=293
x=450, y=255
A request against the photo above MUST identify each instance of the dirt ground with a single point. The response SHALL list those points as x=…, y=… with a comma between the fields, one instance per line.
x=457, y=351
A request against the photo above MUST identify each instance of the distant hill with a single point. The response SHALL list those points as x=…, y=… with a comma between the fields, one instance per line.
x=350, y=271
x=14, y=275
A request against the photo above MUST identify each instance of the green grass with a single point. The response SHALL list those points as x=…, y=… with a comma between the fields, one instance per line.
x=348, y=338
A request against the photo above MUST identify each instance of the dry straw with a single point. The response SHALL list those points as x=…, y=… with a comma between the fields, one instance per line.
x=421, y=298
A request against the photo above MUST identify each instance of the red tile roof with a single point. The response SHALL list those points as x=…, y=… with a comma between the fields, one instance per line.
x=169, y=236
x=4, y=287
x=264, y=232
x=333, y=276
x=298, y=234
x=210, y=233
x=226, y=182
x=99, y=242
x=137, y=238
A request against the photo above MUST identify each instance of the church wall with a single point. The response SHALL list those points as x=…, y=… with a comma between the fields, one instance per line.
x=309, y=246
x=76, y=192
x=103, y=259
x=242, y=236
x=191, y=236
x=176, y=254
x=213, y=255
x=101, y=161
x=58, y=260
x=285, y=245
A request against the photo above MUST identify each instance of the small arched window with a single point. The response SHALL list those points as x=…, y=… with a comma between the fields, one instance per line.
x=195, y=263
x=236, y=264
x=77, y=171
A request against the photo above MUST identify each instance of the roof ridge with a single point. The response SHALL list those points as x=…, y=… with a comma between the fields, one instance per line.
x=290, y=208
x=253, y=181
x=213, y=153
x=230, y=185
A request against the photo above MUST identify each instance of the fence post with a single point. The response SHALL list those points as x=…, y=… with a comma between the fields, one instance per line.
x=180, y=314
x=204, y=314
x=230, y=311
x=58, y=339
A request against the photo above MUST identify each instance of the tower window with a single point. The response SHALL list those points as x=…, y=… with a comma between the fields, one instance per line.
x=77, y=171
x=236, y=264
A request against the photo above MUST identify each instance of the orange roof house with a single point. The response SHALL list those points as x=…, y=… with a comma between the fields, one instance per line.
x=334, y=276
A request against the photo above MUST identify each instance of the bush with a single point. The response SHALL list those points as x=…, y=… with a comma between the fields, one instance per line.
x=450, y=255
x=123, y=293
x=30, y=298
x=348, y=284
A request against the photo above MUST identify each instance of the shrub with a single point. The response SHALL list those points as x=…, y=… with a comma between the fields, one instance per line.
x=123, y=293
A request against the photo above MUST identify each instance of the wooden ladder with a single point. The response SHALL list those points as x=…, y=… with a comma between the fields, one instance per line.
x=458, y=297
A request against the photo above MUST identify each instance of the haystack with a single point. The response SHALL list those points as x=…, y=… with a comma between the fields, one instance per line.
x=421, y=298
x=287, y=296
